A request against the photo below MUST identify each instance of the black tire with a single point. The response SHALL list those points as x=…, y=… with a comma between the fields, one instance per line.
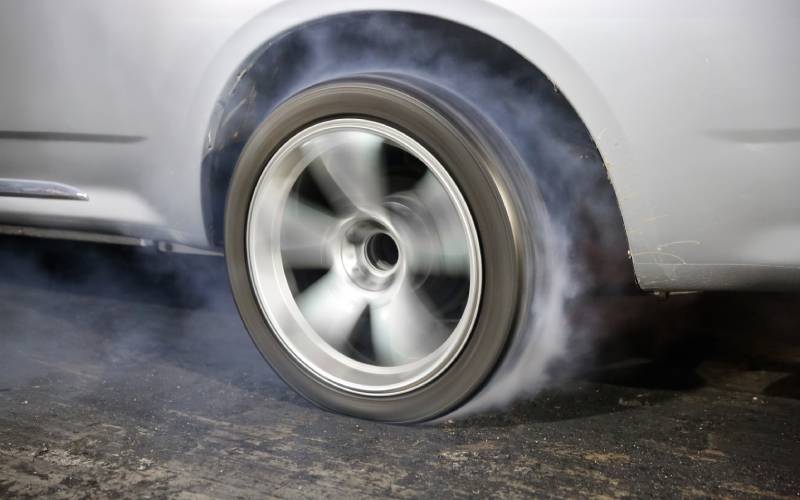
x=497, y=186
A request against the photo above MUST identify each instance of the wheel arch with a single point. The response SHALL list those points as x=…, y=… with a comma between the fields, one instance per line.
x=280, y=66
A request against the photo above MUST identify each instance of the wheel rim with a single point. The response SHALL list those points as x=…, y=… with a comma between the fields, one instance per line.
x=364, y=257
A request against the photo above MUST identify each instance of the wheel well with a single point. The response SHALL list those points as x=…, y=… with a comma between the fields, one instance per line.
x=518, y=97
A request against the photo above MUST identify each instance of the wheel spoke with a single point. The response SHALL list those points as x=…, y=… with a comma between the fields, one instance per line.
x=446, y=250
x=404, y=329
x=348, y=170
x=306, y=235
x=331, y=308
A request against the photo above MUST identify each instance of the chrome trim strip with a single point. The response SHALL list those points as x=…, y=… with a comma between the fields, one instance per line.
x=26, y=188
x=22, y=135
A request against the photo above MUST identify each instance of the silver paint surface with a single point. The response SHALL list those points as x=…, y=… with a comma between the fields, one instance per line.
x=693, y=106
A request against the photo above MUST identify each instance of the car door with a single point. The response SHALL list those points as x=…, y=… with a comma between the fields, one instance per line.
x=76, y=112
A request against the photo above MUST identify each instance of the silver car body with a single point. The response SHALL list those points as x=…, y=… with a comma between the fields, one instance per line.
x=694, y=107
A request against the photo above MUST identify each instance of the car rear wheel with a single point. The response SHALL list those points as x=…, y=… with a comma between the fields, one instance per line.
x=380, y=250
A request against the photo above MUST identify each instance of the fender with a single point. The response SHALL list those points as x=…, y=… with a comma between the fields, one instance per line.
x=504, y=25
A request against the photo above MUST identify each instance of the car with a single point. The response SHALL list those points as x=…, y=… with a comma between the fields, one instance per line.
x=402, y=190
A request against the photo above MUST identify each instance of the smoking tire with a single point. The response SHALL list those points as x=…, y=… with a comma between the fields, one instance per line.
x=381, y=246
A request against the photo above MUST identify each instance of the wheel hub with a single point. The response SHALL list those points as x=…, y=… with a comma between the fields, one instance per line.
x=370, y=255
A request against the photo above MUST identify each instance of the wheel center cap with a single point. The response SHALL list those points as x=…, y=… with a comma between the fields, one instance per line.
x=370, y=254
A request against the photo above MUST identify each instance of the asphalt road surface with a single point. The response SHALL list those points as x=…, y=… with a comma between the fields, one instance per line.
x=127, y=374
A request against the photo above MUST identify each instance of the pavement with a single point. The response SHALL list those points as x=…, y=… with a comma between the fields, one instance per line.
x=127, y=374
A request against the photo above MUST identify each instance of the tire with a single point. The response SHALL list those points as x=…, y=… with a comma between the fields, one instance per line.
x=487, y=186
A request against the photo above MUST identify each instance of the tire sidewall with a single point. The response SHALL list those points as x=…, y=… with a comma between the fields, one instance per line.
x=470, y=152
